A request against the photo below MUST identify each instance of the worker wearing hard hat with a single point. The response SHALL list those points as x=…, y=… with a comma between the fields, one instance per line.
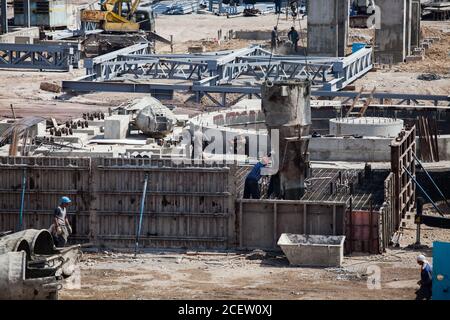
x=426, y=278
x=61, y=229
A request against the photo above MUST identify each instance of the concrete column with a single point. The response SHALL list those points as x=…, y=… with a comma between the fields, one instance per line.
x=343, y=25
x=390, y=38
x=408, y=12
x=328, y=22
x=286, y=106
x=4, y=16
x=416, y=14
x=27, y=13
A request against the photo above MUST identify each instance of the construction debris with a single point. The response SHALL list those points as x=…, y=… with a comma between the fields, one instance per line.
x=428, y=77
x=50, y=86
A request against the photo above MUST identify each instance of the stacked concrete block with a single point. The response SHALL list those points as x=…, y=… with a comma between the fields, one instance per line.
x=116, y=126
x=328, y=22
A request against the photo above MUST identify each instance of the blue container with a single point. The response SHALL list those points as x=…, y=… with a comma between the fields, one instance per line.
x=441, y=271
x=357, y=46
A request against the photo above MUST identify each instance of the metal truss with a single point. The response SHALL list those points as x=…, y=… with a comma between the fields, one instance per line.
x=61, y=57
x=232, y=74
x=225, y=67
x=108, y=66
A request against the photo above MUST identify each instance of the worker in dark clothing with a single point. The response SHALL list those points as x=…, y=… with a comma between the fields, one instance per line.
x=426, y=278
x=251, y=188
x=277, y=6
x=274, y=39
x=294, y=37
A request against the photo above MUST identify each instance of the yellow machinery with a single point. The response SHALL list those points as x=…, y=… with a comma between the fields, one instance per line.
x=112, y=17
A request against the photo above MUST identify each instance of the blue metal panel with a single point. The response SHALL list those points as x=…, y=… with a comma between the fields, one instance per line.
x=441, y=270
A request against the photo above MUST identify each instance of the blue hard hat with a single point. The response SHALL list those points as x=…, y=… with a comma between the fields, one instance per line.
x=65, y=200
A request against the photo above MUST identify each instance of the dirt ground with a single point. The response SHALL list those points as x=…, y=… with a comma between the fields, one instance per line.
x=110, y=274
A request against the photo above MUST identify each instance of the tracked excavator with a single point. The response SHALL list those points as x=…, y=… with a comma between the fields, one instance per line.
x=122, y=23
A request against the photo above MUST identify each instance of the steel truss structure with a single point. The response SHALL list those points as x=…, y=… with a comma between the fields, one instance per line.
x=224, y=74
x=252, y=64
x=61, y=56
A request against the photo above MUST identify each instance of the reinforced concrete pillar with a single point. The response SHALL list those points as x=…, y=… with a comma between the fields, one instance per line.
x=26, y=13
x=416, y=14
x=328, y=23
x=286, y=106
x=408, y=12
x=4, y=16
x=391, y=45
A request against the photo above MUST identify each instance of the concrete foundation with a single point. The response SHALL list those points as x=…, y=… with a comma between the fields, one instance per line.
x=350, y=149
x=391, y=44
x=313, y=250
x=366, y=126
x=328, y=22
x=116, y=126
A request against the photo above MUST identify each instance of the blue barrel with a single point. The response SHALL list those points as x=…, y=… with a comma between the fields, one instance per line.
x=357, y=46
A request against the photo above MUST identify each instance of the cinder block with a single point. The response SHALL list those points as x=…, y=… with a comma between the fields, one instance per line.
x=414, y=58
x=116, y=126
x=23, y=40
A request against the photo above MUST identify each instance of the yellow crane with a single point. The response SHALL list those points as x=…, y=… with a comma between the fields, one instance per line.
x=112, y=17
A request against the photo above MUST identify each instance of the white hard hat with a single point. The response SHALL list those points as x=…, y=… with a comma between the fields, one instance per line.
x=421, y=258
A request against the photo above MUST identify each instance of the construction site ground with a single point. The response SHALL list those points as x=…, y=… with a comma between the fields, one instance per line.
x=115, y=274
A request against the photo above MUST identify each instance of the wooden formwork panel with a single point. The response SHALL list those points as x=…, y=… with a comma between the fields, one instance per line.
x=261, y=222
x=403, y=149
x=186, y=206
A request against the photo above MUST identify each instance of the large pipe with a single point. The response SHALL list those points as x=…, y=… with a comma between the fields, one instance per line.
x=32, y=241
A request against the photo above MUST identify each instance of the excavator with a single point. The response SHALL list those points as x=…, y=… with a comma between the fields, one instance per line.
x=122, y=23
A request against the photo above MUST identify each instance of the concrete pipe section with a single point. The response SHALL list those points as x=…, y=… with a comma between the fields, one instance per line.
x=366, y=127
x=31, y=267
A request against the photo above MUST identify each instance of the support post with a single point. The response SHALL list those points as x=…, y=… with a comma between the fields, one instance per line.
x=418, y=219
x=4, y=14
x=27, y=13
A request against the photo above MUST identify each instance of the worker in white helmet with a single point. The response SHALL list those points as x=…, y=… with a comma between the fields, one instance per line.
x=426, y=278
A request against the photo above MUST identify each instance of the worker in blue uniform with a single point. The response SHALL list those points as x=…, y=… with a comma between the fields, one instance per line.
x=426, y=278
x=251, y=188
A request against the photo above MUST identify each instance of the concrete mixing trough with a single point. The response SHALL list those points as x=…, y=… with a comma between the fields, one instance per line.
x=312, y=250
